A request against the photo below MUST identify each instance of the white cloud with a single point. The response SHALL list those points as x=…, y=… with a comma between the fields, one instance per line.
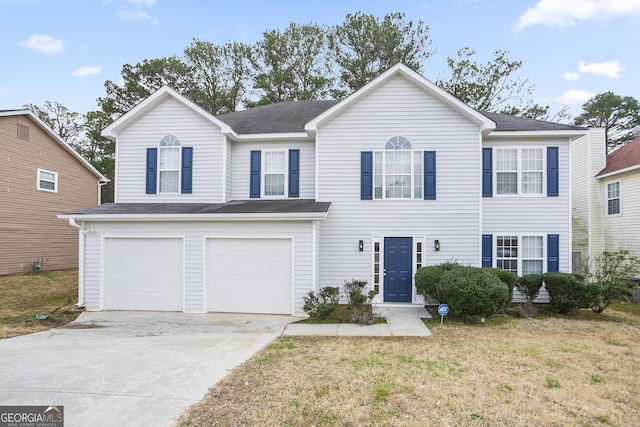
x=142, y=3
x=574, y=96
x=132, y=15
x=571, y=76
x=86, y=71
x=608, y=69
x=565, y=13
x=44, y=43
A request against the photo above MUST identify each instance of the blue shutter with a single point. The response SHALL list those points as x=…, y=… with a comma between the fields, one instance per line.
x=294, y=173
x=553, y=252
x=254, y=190
x=487, y=250
x=152, y=170
x=187, y=170
x=366, y=175
x=487, y=173
x=429, y=175
x=552, y=171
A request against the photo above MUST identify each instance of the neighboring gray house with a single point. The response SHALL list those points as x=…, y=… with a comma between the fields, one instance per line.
x=249, y=211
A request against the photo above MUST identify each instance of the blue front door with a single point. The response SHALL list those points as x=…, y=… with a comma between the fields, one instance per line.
x=398, y=258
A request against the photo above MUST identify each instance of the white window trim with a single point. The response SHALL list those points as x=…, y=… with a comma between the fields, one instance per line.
x=263, y=174
x=414, y=153
x=606, y=189
x=55, y=181
x=179, y=170
x=520, y=194
x=519, y=259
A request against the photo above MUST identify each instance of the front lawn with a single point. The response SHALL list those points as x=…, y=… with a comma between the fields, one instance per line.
x=545, y=371
x=24, y=296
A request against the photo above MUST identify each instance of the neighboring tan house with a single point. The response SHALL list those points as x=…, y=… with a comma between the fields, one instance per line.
x=252, y=210
x=606, y=198
x=40, y=177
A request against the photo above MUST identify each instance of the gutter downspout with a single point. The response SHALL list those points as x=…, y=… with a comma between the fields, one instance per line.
x=73, y=223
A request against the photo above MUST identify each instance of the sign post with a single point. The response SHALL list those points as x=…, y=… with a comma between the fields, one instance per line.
x=443, y=309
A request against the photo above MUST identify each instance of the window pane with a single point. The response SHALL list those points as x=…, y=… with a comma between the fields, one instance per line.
x=274, y=185
x=169, y=181
x=507, y=253
x=532, y=159
x=531, y=267
x=507, y=183
x=377, y=175
x=532, y=246
x=47, y=185
x=274, y=162
x=47, y=176
x=169, y=158
x=507, y=160
x=532, y=182
x=613, y=206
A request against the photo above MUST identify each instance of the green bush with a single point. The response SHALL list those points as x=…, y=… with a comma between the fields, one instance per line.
x=426, y=279
x=568, y=291
x=508, y=278
x=529, y=286
x=322, y=305
x=610, y=292
x=471, y=292
x=609, y=275
x=354, y=290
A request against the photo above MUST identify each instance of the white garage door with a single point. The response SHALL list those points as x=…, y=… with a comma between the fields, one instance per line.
x=249, y=275
x=143, y=274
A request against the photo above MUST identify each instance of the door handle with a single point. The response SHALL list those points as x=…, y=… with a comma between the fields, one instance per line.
x=384, y=272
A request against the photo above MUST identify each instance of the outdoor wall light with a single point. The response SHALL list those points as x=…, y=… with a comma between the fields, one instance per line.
x=436, y=245
x=361, y=245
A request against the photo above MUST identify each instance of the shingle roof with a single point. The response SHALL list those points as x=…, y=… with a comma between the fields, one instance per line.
x=291, y=116
x=281, y=117
x=288, y=206
x=624, y=157
x=506, y=122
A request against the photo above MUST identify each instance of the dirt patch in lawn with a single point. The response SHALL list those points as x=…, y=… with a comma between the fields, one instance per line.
x=52, y=295
x=547, y=371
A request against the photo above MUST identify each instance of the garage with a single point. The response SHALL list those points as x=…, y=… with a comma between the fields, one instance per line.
x=249, y=275
x=143, y=274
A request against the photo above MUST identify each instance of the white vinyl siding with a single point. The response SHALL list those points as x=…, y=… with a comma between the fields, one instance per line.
x=397, y=108
x=622, y=231
x=533, y=215
x=241, y=152
x=195, y=235
x=170, y=117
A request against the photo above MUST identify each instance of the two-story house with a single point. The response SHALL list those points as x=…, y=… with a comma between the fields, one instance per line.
x=40, y=176
x=606, y=198
x=249, y=211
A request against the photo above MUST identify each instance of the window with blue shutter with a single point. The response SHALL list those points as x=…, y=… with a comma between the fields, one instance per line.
x=553, y=252
x=152, y=171
x=294, y=173
x=187, y=170
x=429, y=175
x=487, y=250
x=366, y=175
x=254, y=184
x=552, y=172
x=487, y=173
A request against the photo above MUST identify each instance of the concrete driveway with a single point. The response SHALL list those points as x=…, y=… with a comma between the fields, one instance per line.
x=130, y=368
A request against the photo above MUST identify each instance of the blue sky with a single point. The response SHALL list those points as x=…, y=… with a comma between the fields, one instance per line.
x=64, y=50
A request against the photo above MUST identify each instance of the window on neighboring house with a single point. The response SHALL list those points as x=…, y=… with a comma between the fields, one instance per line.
x=397, y=171
x=47, y=181
x=519, y=171
x=613, y=198
x=275, y=167
x=169, y=165
x=520, y=254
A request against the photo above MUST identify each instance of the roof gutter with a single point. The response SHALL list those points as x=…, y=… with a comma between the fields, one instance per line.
x=310, y=216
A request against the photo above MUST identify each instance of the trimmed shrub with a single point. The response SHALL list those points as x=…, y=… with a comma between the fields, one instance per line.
x=426, y=279
x=322, y=305
x=609, y=292
x=529, y=286
x=508, y=278
x=568, y=291
x=471, y=292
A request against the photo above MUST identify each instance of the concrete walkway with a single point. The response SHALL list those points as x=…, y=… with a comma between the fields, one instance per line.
x=402, y=321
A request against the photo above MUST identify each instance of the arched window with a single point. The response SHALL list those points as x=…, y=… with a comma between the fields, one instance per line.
x=169, y=164
x=397, y=171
